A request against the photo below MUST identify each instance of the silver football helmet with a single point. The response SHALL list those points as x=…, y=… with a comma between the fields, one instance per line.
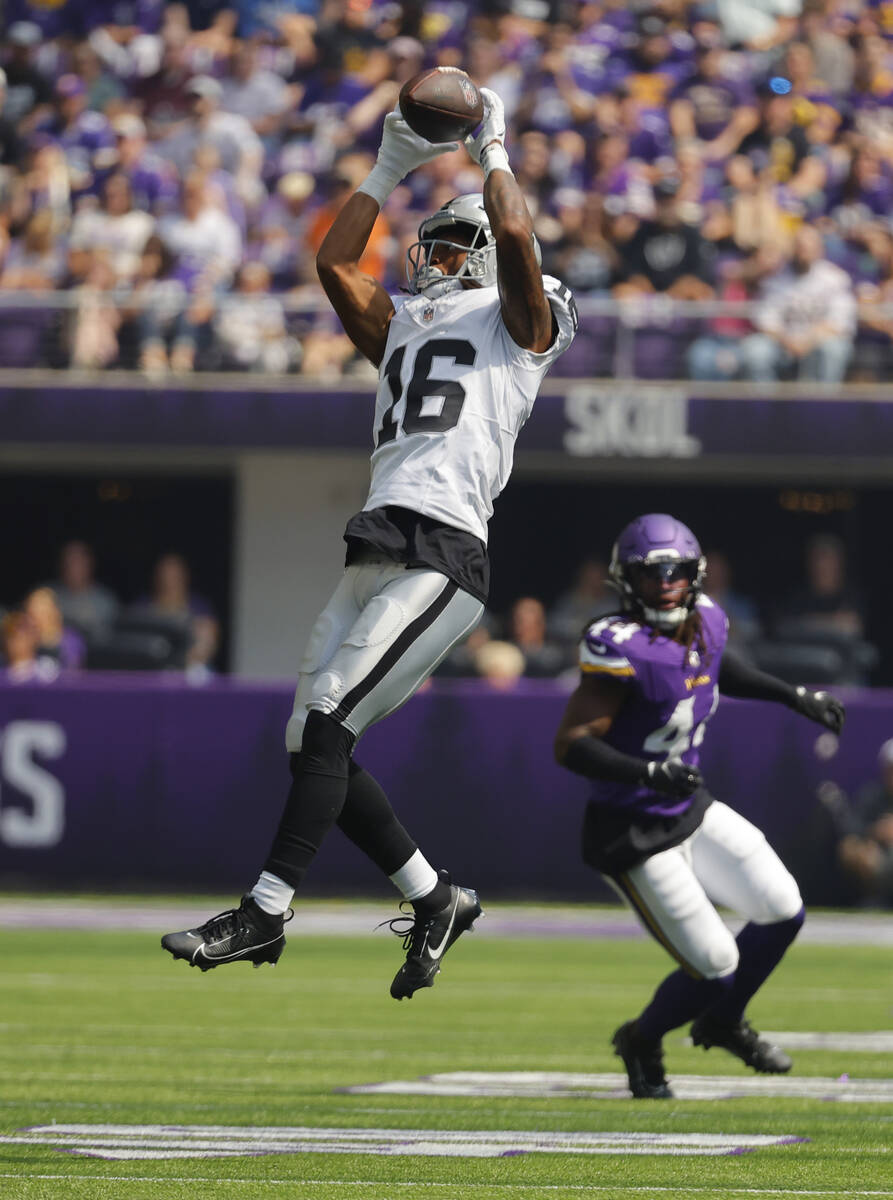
x=468, y=215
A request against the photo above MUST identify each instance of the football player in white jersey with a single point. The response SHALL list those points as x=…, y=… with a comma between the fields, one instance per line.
x=460, y=361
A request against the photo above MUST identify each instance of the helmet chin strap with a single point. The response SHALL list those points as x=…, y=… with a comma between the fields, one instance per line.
x=437, y=284
x=670, y=618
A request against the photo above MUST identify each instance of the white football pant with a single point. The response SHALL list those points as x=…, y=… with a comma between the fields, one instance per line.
x=377, y=640
x=726, y=861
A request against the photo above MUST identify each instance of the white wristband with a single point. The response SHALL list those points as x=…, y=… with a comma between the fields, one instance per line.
x=494, y=158
x=379, y=184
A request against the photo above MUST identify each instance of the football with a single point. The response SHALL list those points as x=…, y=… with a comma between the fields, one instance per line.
x=441, y=104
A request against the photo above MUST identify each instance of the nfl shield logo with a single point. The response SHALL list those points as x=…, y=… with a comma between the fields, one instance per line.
x=428, y=314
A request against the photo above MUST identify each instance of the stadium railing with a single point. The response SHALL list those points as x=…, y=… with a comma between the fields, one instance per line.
x=645, y=337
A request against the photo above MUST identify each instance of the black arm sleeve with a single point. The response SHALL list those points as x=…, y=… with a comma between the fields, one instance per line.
x=738, y=678
x=594, y=758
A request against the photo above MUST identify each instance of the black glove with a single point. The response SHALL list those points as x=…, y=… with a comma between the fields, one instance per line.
x=673, y=778
x=822, y=708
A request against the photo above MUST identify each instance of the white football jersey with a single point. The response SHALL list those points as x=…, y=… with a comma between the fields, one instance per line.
x=454, y=390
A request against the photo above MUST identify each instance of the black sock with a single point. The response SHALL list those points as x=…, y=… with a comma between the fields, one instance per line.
x=371, y=824
x=679, y=998
x=760, y=949
x=315, y=799
x=436, y=899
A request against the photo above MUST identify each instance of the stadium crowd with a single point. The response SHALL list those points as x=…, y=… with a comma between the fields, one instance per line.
x=75, y=621
x=174, y=167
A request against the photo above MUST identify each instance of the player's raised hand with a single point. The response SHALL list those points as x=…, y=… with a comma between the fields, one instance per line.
x=400, y=152
x=822, y=708
x=674, y=778
x=403, y=150
x=491, y=129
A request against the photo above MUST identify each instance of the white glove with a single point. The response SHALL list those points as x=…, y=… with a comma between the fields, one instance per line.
x=487, y=146
x=401, y=151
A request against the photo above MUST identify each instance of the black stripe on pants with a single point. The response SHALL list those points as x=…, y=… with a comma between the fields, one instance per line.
x=394, y=653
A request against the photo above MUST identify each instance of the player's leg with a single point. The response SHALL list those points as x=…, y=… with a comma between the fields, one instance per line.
x=403, y=623
x=254, y=930
x=382, y=634
x=419, y=617
x=674, y=909
x=740, y=869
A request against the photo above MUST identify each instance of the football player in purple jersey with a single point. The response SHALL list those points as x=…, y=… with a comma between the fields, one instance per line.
x=651, y=678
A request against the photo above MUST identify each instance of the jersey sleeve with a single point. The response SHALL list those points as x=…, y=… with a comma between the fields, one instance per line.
x=561, y=301
x=599, y=656
x=564, y=309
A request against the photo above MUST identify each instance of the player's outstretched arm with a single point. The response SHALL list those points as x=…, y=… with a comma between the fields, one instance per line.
x=738, y=678
x=362, y=304
x=525, y=307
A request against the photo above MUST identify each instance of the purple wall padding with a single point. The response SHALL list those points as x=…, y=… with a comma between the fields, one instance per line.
x=150, y=781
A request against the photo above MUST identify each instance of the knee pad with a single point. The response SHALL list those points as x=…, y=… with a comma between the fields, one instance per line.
x=719, y=960
x=327, y=745
x=782, y=901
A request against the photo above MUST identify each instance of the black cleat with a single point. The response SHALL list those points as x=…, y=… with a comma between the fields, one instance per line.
x=246, y=932
x=644, y=1062
x=742, y=1041
x=429, y=937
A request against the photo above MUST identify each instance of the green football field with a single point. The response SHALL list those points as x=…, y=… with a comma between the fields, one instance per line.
x=128, y=1076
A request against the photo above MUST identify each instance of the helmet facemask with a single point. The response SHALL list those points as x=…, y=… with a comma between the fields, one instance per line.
x=463, y=216
x=629, y=578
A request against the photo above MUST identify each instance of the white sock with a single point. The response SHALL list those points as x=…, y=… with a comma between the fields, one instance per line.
x=416, y=878
x=272, y=894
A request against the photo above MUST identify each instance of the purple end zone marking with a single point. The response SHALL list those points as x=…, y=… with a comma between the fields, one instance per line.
x=741, y=1150
x=513, y=1153
x=792, y=1141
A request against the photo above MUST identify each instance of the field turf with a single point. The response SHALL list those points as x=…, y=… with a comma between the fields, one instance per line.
x=104, y=1028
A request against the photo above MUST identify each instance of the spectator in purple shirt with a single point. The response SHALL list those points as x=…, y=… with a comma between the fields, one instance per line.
x=646, y=127
x=552, y=99
x=55, y=640
x=85, y=136
x=153, y=180
x=622, y=181
x=717, y=110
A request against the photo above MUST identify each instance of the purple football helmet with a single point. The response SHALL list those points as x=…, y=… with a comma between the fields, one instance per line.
x=657, y=546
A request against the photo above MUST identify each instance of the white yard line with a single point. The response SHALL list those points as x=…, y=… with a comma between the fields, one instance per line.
x=384, y=1184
